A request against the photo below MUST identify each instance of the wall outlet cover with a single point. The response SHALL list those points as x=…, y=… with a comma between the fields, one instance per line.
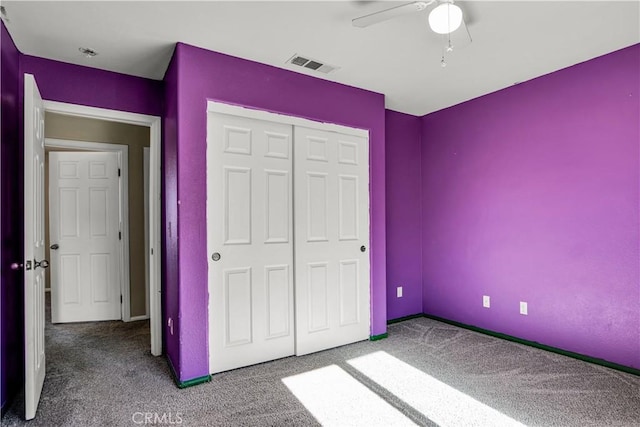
x=524, y=308
x=486, y=301
x=399, y=292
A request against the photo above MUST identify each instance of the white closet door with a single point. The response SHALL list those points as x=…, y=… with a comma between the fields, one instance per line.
x=331, y=239
x=250, y=239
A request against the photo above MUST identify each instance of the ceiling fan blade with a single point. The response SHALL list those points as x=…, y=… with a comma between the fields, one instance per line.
x=383, y=15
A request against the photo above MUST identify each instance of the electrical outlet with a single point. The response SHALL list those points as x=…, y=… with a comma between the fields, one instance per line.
x=399, y=292
x=486, y=301
x=523, y=308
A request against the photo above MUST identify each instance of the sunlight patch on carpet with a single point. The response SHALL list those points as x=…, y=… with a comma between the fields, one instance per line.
x=335, y=398
x=441, y=403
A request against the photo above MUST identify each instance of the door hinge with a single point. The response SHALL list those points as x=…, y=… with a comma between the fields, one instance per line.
x=119, y=172
x=119, y=235
x=120, y=299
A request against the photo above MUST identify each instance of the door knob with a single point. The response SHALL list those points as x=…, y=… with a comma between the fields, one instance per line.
x=55, y=246
x=363, y=248
x=216, y=256
x=42, y=264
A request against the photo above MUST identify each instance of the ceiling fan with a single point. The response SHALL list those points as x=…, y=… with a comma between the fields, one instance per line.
x=444, y=19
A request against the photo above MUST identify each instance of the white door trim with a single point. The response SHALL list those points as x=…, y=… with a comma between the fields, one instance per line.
x=155, y=188
x=250, y=113
x=123, y=164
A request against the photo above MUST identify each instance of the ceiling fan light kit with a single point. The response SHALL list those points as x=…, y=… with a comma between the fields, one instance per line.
x=445, y=18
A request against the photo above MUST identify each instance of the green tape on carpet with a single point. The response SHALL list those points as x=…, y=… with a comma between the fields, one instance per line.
x=402, y=319
x=378, y=337
x=535, y=344
x=188, y=383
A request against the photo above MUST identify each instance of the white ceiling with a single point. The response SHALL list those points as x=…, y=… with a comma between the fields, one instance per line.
x=513, y=41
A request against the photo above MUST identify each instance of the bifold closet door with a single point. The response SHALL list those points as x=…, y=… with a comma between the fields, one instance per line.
x=331, y=193
x=250, y=241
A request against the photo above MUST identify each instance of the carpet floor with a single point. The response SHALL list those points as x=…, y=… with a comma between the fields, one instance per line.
x=425, y=373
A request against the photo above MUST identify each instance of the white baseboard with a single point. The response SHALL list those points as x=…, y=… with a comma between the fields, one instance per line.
x=136, y=318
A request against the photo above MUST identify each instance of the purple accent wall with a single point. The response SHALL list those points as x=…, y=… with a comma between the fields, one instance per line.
x=204, y=75
x=59, y=81
x=404, y=220
x=11, y=248
x=532, y=194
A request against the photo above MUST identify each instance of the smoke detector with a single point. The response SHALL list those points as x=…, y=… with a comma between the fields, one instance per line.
x=89, y=53
x=311, y=64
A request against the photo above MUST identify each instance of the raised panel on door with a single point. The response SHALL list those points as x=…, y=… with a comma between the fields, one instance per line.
x=331, y=205
x=84, y=216
x=249, y=202
x=278, y=301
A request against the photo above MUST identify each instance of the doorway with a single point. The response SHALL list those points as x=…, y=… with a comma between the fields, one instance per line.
x=93, y=129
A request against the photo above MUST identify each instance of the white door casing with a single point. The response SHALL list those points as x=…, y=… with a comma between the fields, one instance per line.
x=331, y=206
x=34, y=278
x=85, y=224
x=249, y=224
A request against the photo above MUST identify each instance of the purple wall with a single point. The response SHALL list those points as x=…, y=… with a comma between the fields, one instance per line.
x=532, y=194
x=404, y=220
x=170, y=214
x=59, y=81
x=11, y=248
x=204, y=75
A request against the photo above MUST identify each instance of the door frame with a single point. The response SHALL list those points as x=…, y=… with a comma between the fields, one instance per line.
x=155, y=194
x=253, y=113
x=123, y=196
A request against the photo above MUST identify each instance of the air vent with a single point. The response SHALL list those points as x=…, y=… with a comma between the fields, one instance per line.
x=312, y=64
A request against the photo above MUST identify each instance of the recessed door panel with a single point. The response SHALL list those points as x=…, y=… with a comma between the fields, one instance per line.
x=69, y=212
x=278, y=145
x=348, y=207
x=318, y=296
x=237, y=140
x=348, y=292
x=98, y=212
x=316, y=148
x=237, y=205
x=100, y=279
x=317, y=210
x=278, y=207
x=69, y=276
x=278, y=300
x=238, y=313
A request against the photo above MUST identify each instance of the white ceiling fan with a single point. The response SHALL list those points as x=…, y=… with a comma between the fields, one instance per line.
x=444, y=19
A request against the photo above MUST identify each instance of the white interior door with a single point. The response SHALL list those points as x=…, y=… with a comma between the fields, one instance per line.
x=84, y=224
x=331, y=239
x=34, y=265
x=250, y=239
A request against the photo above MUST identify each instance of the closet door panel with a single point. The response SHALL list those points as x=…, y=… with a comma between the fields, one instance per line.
x=331, y=206
x=249, y=229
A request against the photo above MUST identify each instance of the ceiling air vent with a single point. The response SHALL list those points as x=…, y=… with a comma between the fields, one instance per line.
x=311, y=64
